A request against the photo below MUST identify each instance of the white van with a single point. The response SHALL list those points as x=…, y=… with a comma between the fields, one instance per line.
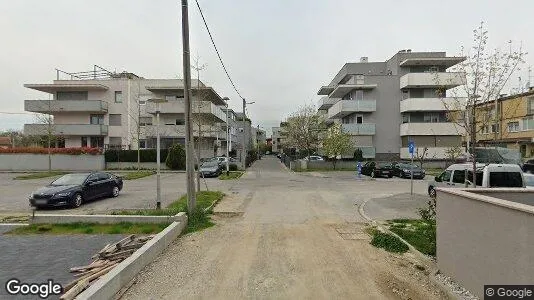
x=488, y=176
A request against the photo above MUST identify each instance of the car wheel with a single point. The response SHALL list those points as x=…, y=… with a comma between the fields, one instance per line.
x=77, y=200
x=390, y=175
x=432, y=192
x=115, y=191
x=373, y=175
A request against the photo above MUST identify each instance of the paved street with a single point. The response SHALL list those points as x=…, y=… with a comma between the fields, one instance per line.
x=286, y=235
x=37, y=258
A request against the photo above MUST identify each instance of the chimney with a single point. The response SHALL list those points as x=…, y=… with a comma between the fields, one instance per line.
x=364, y=59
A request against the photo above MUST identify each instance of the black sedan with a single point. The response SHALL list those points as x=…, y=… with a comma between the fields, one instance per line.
x=403, y=170
x=75, y=189
x=375, y=169
x=211, y=169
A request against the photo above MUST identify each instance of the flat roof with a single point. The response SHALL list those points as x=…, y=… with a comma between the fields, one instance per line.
x=433, y=61
x=54, y=87
x=211, y=94
x=342, y=89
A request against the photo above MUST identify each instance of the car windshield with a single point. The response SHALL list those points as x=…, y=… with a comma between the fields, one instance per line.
x=70, y=179
x=210, y=164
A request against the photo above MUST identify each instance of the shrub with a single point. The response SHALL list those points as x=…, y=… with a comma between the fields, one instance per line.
x=176, y=157
x=389, y=242
x=68, y=151
x=233, y=167
x=358, y=155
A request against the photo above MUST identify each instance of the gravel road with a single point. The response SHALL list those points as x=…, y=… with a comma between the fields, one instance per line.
x=285, y=235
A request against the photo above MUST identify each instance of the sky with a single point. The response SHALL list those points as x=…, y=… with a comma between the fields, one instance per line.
x=277, y=52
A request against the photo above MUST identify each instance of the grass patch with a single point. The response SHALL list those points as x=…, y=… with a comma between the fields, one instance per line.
x=231, y=175
x=419, y=233
x=38, y=175
x=327, y=170
x=388, y=242
x=89, y=228
x=136, y=175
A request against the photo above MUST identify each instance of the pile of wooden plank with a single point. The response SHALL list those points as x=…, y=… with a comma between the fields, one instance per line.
x=105, y=260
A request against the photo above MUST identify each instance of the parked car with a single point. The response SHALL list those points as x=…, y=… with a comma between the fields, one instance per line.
x=529, y=180
x=403, y=170
x=314, y=158
x=223, y=159
x=487, y=175
x=528, y=166
x=377, y=169
x=76, y=188
x=211, y=168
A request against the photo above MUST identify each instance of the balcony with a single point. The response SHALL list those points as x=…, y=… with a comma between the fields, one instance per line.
x=343, y=108
x=67, y=129
x=432, y=80
x=359, y=129
x=178, y=131
x=432, y=104
x=367, y=151
x=343, y=89
x=211, y=111
x=55, y=106
x=431, y=153
x=445, y=128
x=326, y=102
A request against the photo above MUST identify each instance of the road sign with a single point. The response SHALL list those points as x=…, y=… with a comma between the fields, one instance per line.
x=411, y=147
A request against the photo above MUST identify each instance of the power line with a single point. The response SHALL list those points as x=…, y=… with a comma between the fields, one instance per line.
x=217, y=51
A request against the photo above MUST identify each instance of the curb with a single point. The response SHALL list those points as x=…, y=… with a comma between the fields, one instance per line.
x=429, y=264
x=213, y=204
x=111, y=283
x=102, y=219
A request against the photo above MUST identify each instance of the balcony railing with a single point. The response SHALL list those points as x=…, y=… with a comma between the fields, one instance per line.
x=211, y=111
x=432, y=129
x=325, y=103
x=432, y=104
x=359, y=129
x=67, y=129
x=343, y=108
x=432, y=80
x=55, y=106
x=177, y=131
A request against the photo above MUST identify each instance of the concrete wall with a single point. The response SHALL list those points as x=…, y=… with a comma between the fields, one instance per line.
x=133, y=165
x=39, y=162
x=485, y=240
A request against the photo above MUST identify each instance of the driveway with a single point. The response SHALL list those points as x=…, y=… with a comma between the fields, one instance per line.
x=138, y=193
x=285, y=235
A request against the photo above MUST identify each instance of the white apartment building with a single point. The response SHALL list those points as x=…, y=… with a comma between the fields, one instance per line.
x=111, y=110
x=385, y=105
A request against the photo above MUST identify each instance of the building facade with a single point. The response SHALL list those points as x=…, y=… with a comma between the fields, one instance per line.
x=112, y=110
x=511, y=125
x=277, y=139
x=384, y=105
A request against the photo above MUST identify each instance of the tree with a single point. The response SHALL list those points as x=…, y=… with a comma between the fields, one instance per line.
x=303, y=128
x=336, y=143
x=484, y=74
x=453, y=153
x=176, y=157
x=358, y=154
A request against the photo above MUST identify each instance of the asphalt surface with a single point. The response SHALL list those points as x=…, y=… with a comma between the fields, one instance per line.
x=37, y=258
x=285, y=235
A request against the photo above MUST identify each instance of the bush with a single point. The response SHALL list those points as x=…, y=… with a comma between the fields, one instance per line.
x=176, y=158
x=68, y=151
x=233, y=167
x=389, y=242
x=358, y=155
x=146, y=155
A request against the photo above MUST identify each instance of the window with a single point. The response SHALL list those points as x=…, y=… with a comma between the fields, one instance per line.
x=118, y=97
x=115, y=142
x=180, y=122
x=458, y=176
x=115, y=119
x=359, y=119
x=96, y=119
x=530, y=105
x=103, y=176
x=142, y=144
x=528, y=124
x=145, y=121
x=97, y=142
x=72, y=96
x=431, y=118
x=433, y=69
x=405, y=118
x=92, y=178
x=505, y=179
x=513, y=126
x=84, y=141
x=479, y=177
x=358, y=95
x=495, y=128
x=142, y=102
x=446, y=176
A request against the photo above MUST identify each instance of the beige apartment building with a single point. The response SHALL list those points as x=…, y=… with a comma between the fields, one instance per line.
x=112, y=110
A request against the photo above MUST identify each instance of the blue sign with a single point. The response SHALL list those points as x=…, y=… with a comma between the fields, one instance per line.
x=411, y=147
x=359, y=167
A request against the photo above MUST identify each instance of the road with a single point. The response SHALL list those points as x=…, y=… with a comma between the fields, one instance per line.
x=286, y=235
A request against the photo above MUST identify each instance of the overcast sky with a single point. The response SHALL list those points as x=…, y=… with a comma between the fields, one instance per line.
x=278, y=52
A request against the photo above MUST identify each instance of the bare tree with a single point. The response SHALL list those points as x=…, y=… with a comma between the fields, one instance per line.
x=484, y=74
x=303, y=129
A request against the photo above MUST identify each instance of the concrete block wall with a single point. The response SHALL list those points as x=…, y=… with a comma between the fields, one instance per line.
x=39, y=162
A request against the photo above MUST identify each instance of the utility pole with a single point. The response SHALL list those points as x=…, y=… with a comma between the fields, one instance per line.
x=243, y=151
x=190, y=167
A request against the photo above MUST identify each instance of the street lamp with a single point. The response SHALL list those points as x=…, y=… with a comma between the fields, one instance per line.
x=244, y=151
x=226, y=99
x=157, y=101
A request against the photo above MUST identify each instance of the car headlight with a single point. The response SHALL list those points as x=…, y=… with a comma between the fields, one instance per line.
x=31, y=195
x=63, y=194
x=406, y=170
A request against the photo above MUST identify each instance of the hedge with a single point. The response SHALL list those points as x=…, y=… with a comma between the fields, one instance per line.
x=67, y=151
x=146, y=155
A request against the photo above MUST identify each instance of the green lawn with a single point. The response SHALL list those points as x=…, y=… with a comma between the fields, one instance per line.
x=39, y=175
x=89, y=228
x=231, y=175
x=419, y=233
x=136, y=175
